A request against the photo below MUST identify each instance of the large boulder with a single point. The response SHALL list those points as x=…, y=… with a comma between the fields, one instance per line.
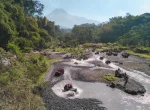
x=101, y=58
x=125, y=55
x=76, y=63
x=121, y=63
x=112, y=85
x=115, y=53
x=70, y=94
x=132, y=87
x=96, y=53
x=109, y=53
x=108, y=62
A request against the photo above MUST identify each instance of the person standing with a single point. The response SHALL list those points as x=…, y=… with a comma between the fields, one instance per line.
x=126, y=79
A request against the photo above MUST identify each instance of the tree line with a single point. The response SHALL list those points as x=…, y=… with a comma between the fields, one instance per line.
x=128, y=31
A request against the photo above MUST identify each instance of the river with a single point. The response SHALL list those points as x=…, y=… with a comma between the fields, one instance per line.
x=113, y=99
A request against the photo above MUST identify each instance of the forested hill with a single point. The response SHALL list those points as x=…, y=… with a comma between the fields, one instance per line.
x=128, y=30
x=22, y=27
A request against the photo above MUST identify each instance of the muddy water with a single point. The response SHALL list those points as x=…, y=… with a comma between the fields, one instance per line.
x=79, y=63
x=113, y=99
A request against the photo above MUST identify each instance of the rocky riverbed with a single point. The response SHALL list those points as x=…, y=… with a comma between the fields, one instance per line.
x=90, y=70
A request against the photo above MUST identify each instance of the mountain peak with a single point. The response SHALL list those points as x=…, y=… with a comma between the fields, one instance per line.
x=64, y=19
x=59, y=11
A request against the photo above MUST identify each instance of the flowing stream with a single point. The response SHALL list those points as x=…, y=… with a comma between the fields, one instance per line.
x=113, y=99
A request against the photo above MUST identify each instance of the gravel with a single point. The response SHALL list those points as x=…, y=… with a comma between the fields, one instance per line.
x=131, y=63
x=53, y=102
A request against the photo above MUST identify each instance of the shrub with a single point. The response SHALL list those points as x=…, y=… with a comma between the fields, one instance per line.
x=142, y=50
x=109, y=77
x=87, y=45
x=14, y=48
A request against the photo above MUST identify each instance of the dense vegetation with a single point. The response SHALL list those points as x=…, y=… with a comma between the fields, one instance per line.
x=128, y=31
x=18, y=78
x=22, y=30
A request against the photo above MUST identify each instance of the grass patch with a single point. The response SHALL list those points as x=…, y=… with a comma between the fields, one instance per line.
x=109, y=77
x=19, y=78
x=147, y=56
x=93, y=45
x=48, y=62
x=102, y=48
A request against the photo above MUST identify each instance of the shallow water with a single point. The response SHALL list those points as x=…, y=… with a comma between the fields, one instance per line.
x=80, y=63
x=113, y=99
x=102, y=68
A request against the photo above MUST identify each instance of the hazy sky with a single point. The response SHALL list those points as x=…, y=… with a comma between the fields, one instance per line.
x=100, y=10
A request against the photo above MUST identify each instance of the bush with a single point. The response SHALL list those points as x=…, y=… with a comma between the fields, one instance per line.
x=14, y=48
x=87, y=45
x=27, y=49
x=142, y=50
x=109, y=77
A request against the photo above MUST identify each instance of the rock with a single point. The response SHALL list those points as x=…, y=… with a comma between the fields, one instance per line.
x=108, y=62
x=121, y=63
x=112, y=85
x=109, y=53
x=67, y=56
x=101, y=58
x=76, y=63
x=5, y=61
x=129, y=85
x=96, y=53
x=132, y=87
x=115, y=54
x=98, y=65
x=119, y=73
x=70, y=94
x=125, y=55
x=73, y=89
x=115, y=61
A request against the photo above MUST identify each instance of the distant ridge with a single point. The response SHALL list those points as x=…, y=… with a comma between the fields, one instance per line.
x=66, y=20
